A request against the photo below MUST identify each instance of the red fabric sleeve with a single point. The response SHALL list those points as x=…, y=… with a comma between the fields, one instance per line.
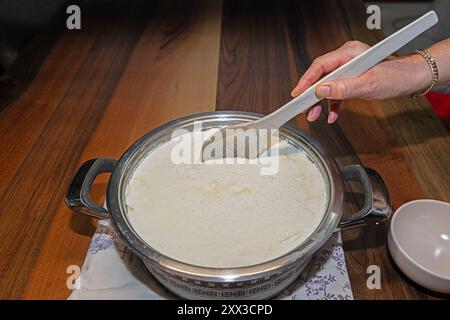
x=441, y=105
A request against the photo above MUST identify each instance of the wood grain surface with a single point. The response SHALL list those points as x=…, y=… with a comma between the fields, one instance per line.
x=138, y=64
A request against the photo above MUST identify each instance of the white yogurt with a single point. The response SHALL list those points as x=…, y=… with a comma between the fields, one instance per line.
x=218, y=215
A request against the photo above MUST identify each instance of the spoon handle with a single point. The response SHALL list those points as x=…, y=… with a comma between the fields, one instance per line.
x=352, y=68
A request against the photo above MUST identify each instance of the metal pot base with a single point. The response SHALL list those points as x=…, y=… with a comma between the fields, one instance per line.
x=260, y=288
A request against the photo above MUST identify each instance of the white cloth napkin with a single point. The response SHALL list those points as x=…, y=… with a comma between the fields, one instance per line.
x=111, y=271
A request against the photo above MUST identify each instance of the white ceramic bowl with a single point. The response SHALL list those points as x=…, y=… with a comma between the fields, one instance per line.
x=419, y=242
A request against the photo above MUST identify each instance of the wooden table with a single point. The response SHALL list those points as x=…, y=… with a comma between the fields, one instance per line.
x=76, y=95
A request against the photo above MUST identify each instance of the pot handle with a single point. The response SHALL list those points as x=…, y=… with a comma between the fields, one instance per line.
x=78, y=196
x=377, y=207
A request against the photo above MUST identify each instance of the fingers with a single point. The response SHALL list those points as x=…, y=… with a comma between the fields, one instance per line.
x=333, y=90
x=327, y=63
x=334, y=108
x=314, y=113
x=333, y=113
x=345, y=88
x=319, y=67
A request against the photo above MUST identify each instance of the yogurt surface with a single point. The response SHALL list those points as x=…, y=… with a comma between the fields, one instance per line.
x=225, y=215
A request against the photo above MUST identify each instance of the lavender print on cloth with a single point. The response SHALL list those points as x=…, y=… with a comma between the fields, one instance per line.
x=111, y=271
x=325, y=277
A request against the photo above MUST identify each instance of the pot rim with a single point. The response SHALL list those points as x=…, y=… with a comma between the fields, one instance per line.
x=304, y=250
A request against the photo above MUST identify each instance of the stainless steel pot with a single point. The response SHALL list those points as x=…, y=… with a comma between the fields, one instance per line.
x=253, y=282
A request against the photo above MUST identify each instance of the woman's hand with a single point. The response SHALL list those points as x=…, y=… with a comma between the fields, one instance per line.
x=391, y=78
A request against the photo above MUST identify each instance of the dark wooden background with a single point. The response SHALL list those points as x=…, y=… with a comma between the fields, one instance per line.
x=76, y=95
